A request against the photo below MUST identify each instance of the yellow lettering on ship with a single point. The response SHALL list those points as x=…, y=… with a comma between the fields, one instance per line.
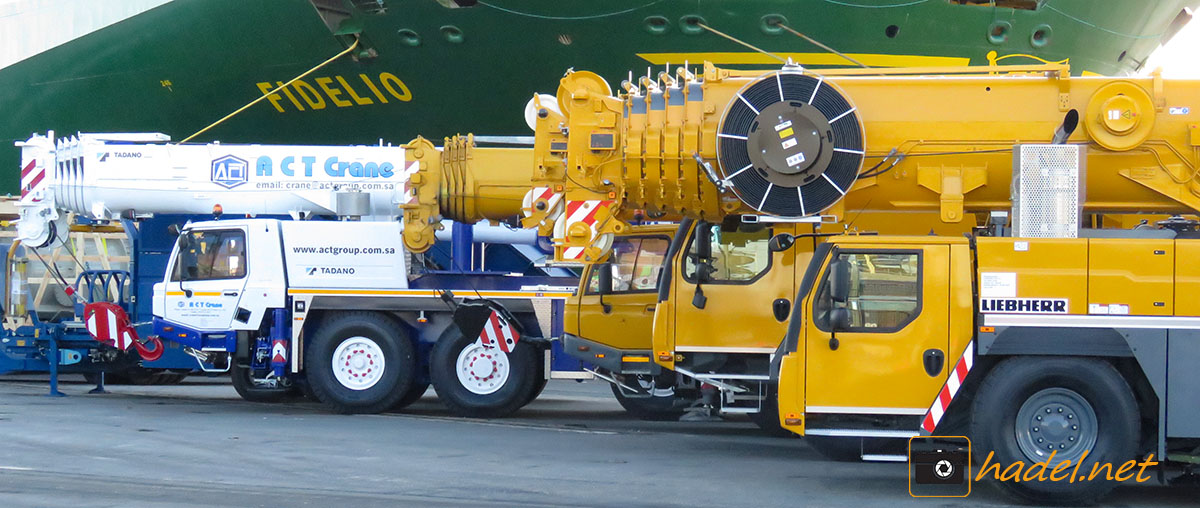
x=342, y=92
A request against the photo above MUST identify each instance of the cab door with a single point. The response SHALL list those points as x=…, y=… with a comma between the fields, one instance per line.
x=207, y=278
x=891, y=354
x=741, y=284
x=624, y=318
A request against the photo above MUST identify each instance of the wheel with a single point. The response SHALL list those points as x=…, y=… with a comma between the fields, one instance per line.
x=1028, y=407
x=660, y=406
x=360, y=362
x=481, y=382
x=767, y=418
x=414, y=394
x=248, y=391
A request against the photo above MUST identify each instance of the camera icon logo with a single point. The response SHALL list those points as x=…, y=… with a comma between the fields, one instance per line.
x=943, y=469
x=939, y=466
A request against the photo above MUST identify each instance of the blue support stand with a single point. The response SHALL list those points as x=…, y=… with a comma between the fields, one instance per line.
x=461, y=238
x=280, y=337
x=99, y=389
x=53, y=361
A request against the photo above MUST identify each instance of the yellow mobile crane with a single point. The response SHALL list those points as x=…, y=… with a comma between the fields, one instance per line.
x=914, y=150
x=950, y=144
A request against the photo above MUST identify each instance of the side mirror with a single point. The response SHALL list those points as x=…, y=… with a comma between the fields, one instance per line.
x=839, y=281
x=703, y=254
x=839, y=319
x=185, y=241
x=781, y=242
x=605, y=280
x=703, y=241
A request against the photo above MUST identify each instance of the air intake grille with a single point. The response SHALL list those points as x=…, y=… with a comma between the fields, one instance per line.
x=1047, y=190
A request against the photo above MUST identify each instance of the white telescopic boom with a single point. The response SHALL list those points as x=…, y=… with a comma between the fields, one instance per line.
x=105, y=176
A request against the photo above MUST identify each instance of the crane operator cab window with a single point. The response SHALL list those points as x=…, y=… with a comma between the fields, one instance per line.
x=211, y=255
x=737, y=256
x=636, y=263
x=884, y=291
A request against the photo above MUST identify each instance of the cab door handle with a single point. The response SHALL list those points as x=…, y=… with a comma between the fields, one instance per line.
x=781, y=307
x=230, y=293
x=934, y=360
x=650, y=308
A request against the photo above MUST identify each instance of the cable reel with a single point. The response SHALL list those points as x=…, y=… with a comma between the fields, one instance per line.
x=790, y=144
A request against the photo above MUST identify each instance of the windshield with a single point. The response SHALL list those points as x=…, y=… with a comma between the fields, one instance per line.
x=211, y=255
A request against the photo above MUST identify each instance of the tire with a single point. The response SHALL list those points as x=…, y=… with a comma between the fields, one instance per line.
x=477, y=394
x=539, y=382
x=767, y=418
x=538, y=386
x=414, y=394
x=356, y=340
x=139, y=376
x=172, y=378
x=246, y=389
x=655, y=409
x=1088, y=391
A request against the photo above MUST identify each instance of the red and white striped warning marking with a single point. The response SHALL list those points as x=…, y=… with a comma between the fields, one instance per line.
x=409, y=193
x=585, y=212
x=108, y=324
x=545, y=194
x=279, y=352
x=949, y=390
x=497, y=333
x=31, y=176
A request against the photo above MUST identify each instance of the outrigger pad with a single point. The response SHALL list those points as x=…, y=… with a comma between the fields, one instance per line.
x=494, y=325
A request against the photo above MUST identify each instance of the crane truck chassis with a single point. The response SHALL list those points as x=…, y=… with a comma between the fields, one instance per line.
x=247, y=295
x=332, y=300
x=1077, y=347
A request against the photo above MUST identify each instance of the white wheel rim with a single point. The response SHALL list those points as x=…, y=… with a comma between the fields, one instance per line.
x=358, y=363
x=482, y=370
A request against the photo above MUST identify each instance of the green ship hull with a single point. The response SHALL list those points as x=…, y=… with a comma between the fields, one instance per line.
x=435, y=68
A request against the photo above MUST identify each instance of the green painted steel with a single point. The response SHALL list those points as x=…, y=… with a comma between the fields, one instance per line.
x=432, y=70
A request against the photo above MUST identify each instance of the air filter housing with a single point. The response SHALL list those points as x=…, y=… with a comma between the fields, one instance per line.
x=790, y=144
x=1048, y=190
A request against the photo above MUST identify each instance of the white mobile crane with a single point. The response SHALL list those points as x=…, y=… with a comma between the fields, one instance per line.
x=311, y=285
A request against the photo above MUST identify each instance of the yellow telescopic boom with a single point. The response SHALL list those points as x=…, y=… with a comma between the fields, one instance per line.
x=793, y=143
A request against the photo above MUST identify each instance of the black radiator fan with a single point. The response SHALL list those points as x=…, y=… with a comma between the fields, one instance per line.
x=790, y=144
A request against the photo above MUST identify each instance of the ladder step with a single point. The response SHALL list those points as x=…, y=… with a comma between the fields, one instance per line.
x=861, y=433
x=739, y=410
x=748, y=377
x=874, y=457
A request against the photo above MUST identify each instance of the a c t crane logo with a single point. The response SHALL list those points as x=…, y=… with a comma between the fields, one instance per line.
x=229, y=171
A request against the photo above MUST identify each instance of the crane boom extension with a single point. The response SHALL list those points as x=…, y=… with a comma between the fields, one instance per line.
x=794, y=142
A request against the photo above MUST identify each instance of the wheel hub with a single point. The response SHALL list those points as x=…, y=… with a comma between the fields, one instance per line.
x=1056, y=420
x=358, y=363
x=482, y=370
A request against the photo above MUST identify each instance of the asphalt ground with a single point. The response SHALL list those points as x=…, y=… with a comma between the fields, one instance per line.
x=198, y=444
